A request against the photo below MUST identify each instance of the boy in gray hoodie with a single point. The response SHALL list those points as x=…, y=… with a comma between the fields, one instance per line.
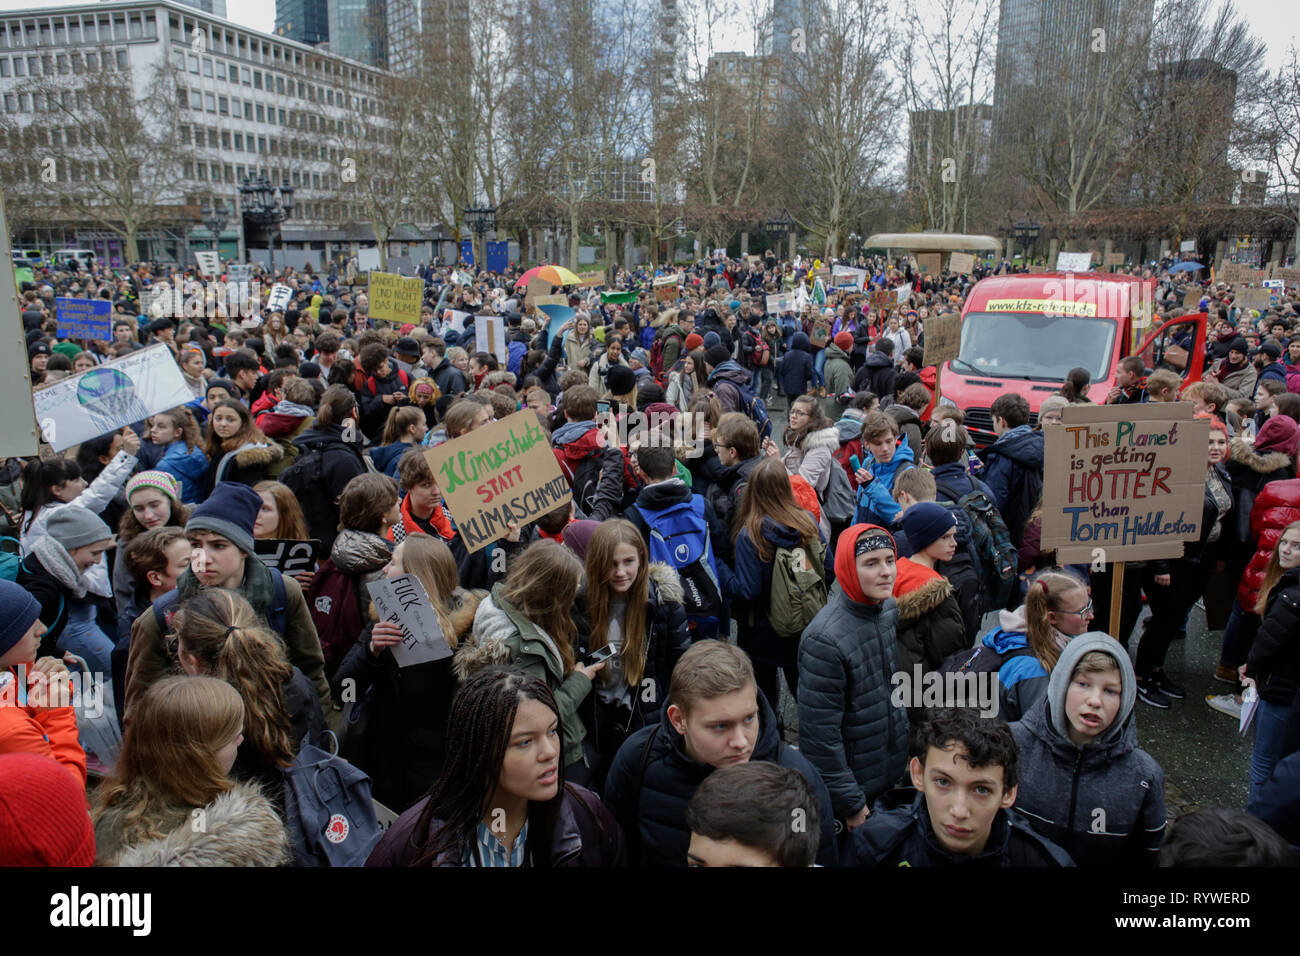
x=1084, y=782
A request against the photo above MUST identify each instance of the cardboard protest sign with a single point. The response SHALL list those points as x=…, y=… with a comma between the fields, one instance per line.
x=1192, y=298
x=942, y=339
x=551, y=300
x=961, y=263
x=1115, y=259
x=591, y=279
x=776, y=304
x=239, y=273
x=1123, y=482
x=496, y=474
x=929, y=263
x=103, y=399
x=1235, y=273
x=1253, y=298
x=558, y=315
x=666, y=289
x=537, y=287
x=394, y=298
x=209, y=262
x=403, y=601
x=286, y=555
x=1290, y=276
x=280, y=297
x=1073, y=261
x=490, y=336
x=84, y=319
x=454, y=319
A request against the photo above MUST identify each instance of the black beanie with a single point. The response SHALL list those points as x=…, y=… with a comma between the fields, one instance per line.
x=716, y=355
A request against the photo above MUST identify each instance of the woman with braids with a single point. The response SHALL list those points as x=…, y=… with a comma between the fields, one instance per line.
x=501, y=799
x=219, y=635
x=636, y=607
x=172, y=772
x=403, y=743
x=1031, y=638
x=527, y=622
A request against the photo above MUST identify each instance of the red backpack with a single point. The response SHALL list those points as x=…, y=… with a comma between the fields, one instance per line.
x=657, y=359
x=335, y=609
x=762, y=354
x=373, y=386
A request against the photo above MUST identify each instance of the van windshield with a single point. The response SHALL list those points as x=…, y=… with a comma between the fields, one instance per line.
x=1032, y=345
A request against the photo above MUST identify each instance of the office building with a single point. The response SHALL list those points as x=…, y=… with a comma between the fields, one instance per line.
x=307, y=21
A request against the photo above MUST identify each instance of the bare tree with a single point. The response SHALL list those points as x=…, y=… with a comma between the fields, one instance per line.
x=1277, y=126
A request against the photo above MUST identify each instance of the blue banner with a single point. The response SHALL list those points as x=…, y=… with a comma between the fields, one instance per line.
x=84, y=319
x=498, y=255
x=467, y=251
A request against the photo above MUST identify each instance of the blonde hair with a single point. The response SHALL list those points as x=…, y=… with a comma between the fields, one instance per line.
x=541, y=585
x=710, y=668
x=1048, y=593
x=430, y=560
x=600, y=561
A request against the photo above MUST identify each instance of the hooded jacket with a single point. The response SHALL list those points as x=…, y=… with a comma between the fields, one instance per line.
x=653, y=779
x=726, y=380
x=796, y=371
x=848, y=729
x=187, y=465
x=44, y=731
x=909, y=423
x=404, y=711
x=875, y=501
x=877, y=375
x=675, y=491
x=673, y=337
x=247, y=465
x=341, y=461
x=1104, y=803
x=729, y=487
x=374, y=410
x=930, y=625
x=1014, y=473
x=1022, y=680
x=501, y=635
x=1276, y=507
x=585, y=834
x=284, y=420
x=594, y=471
x=901, y=834
x=1275, y=655
x=241, y=828
x=449, y=379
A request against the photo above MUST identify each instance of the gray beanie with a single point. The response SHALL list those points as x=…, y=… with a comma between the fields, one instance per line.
x=74, y=527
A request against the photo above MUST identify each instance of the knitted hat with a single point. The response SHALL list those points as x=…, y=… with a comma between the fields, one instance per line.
x=620, y=380
x=1239, y=345
x=43, y=818
x=711, y=339
x=309, y=370
x=844, y=340
x=694, y=341
x=577, y=536
x=230, y=511
x=231, y=388
x=37, y=348
x=164, y=482
x=1280, y=433
x=1051, y=402
x=716, y=355
x=407, y=346
x=18, y=611
x=925, y=523
x=76, y=527
x=642, y=356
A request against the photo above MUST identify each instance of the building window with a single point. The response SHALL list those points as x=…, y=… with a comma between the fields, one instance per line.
x=150, y=26
x=257, y=79
x=261, y=113
x=207, y=67
x=245, y=76
x=223, y=106
x=239, y=141
x=279, y=85
x=20, y=66
x=281, y=114
x=196, y=100
x=92, y=62
x=137, y=28
x=210, y=101
x=248, y=110
x=121, y=60
x=4, y=67
x=74, y=31
x=178, y=57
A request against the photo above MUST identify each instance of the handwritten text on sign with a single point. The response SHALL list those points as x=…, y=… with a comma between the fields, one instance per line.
x=497, y=474
x=285, y=555
x=403, y=601
x=394, y=298
x=1125, y=479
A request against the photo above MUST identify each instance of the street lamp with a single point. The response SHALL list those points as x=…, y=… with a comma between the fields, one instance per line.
x=777, y=228
x=481, y=219
x=1026, y=233
x=214, y=218
x=266, y=206
x=854, y=239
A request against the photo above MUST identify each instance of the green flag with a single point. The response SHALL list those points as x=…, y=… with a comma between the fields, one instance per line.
x=617, y=298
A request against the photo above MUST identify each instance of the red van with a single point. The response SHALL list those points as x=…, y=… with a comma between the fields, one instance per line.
x=1023, y=334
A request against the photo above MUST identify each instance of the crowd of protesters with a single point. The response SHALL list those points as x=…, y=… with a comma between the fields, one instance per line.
x=619, y=675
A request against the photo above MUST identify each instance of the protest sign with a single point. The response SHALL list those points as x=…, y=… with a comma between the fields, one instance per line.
x=536, y=288
x=617, y=298
x=842, y=277
x=1123, y=482
x=285, y=555
x=1192, y=298
x=279, y=299
x=1114, y=259
x=942, y=339
x=1253, y=298
x=1187, y=245
x=558, y=315
x=394, y=298
x=403, y=601
x=490, y=336
x=883, y=299
x=1073, y=261
x=961, y=263
x=239, y=273
x=1234, y=273
x=551, y=300
x=454, y=319
x=103, y=399
x=929, y=263
x=496, y=474
x=666, y=289
x=588, y=280
x=902, y=292
x=1290, y=276
x=23, y=274
x=209, y=262
x=84, y=319
x=783, y=302
x=1273, y=284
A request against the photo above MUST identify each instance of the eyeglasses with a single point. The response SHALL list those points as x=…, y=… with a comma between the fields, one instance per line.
x=1082, y=612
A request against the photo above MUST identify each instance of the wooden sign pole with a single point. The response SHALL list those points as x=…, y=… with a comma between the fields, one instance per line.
x=1116, y=599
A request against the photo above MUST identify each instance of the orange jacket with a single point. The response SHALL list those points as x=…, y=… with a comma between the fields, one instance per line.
x=47, y=731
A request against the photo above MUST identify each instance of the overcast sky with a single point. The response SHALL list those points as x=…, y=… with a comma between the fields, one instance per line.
x=1277, y=22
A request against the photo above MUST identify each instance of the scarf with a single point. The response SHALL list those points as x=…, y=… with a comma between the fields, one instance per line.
x=55, y=559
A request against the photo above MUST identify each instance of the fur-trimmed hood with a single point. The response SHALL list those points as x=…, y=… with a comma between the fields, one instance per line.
x=1244, y=454
x=665, y=579
x=918, y=590
x=828, y=437
x=239, y=828
x=464, y=605
x=257, y=454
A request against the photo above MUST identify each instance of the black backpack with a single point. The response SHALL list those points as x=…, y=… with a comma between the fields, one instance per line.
x=984, y=536
x=980, y=659
x=306, y=479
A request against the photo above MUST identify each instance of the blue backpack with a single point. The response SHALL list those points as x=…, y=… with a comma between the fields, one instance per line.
x=756, y=409
x=516, y=360
x=329, y=810
x=679, y=537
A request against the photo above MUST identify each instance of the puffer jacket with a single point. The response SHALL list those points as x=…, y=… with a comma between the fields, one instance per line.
x=1104, y=804
x=1275, y=655
x=1022, y=680
x=652, y=780
x=813, y=460
x=848, y=729
x=246, y=465
x=240, y=828
x=673, y=338
x=1260, y=518
x=1014, y=473
x=405, y=711
x=187, y=465
x=930, y=625
x=501, y=635
x=585, y=834
x=796, y=371
x=666, y=640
